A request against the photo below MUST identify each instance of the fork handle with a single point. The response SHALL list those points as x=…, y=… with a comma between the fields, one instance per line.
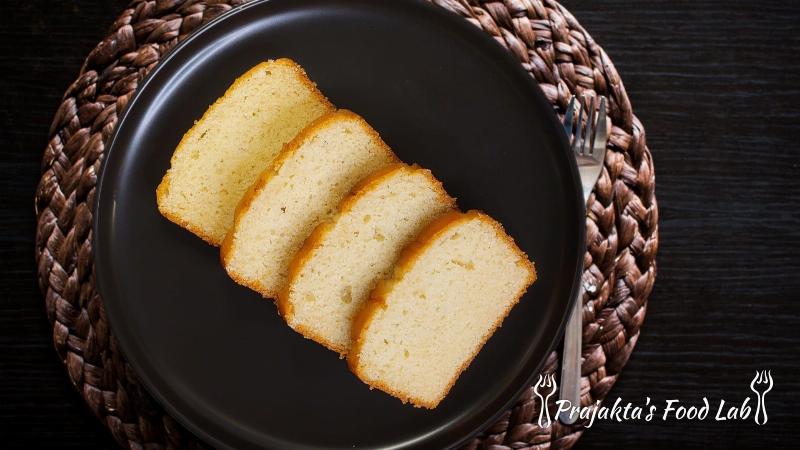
x=571, y=359
x=761, y=408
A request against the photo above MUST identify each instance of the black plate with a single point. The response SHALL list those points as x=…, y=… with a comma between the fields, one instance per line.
x=444, y=95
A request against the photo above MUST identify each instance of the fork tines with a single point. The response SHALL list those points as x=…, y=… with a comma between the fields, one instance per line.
x=586, y=133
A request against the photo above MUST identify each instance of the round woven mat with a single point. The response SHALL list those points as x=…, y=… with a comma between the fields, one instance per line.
x=621, y=225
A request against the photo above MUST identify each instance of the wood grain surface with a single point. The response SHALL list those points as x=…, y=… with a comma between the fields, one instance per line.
x=715, y=84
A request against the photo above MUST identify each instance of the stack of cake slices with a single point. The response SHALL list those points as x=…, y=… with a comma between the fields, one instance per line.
x=363, y=253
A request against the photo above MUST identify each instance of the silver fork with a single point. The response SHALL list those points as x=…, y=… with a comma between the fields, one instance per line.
x=761, y=384
x=588, y=137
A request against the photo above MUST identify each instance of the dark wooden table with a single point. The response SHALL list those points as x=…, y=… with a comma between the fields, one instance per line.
x=717, y=85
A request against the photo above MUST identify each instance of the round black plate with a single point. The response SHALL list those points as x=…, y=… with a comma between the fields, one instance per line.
x=443, y=95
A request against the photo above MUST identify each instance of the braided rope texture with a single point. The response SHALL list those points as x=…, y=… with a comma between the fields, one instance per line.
x=621, y=224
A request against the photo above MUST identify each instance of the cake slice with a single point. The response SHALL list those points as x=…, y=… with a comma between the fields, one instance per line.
x=450, y=290
x=302, y=187
x=332, y=275
x=239, y=135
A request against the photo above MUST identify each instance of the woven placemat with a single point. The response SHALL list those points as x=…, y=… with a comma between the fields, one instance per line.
x=621, y=226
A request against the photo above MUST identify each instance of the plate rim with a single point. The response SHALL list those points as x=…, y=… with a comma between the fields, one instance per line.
x=455, y=20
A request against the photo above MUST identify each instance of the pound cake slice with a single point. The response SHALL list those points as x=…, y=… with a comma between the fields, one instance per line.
x=332, y=275
x=239, y=135
x=450, y=290
x=304, y=185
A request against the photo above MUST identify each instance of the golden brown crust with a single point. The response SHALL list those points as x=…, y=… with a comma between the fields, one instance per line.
x=285, y=307
x=371, y=132
x=314, y=240
x=252, y=192
x=255, y=189
x=312, y=335
x=378, y=298
x=160, y=193
x=163, y=187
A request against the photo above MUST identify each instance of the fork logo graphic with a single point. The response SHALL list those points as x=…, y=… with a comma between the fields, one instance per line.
x=761, y=384
x=545, y=388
